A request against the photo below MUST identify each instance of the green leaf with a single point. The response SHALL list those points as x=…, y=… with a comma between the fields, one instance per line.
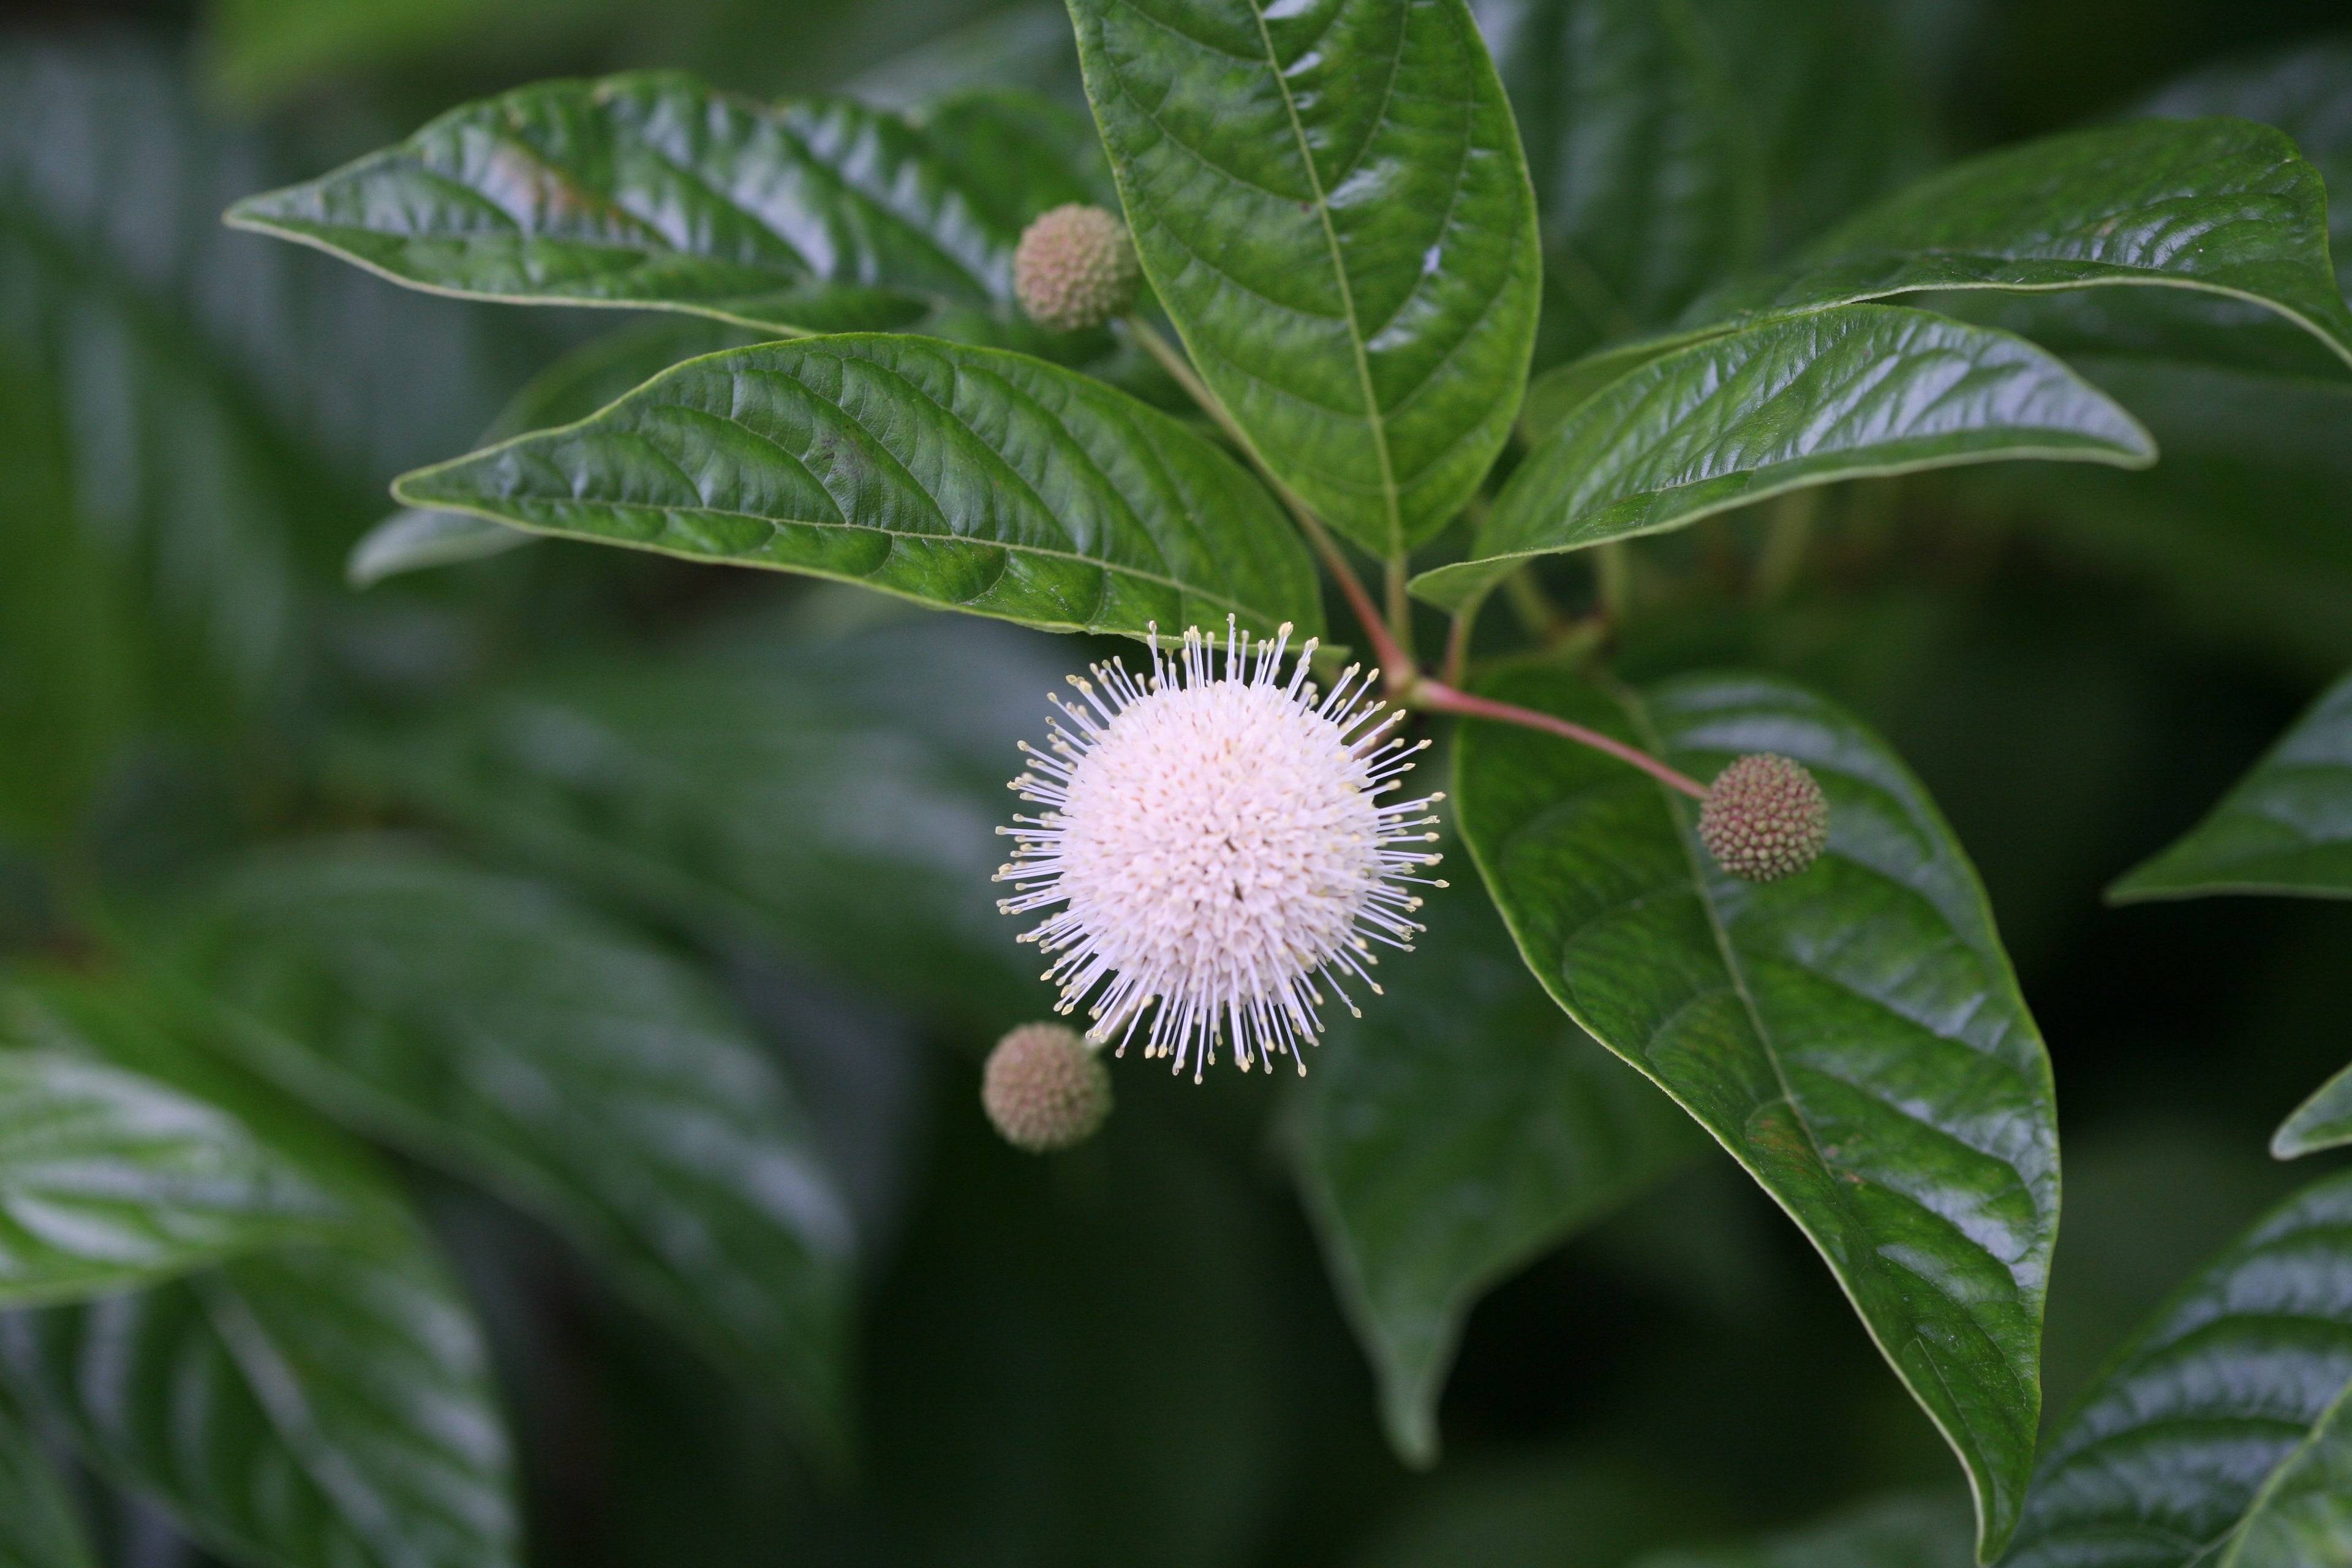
x=488, y=1026
x=1332, y=204
x=575, y=386
x=2218, y=1434
x=1853, y=1034
x=2285, y=828
x=974, y=478
x=2220, y=208
x=1457, y=1129
x=39, y=1526
x=1672, y=145
x=2306, y=91
x=2323, y=1122
x=309, y=1408
x=1904, y=1529
x=108, y=1179
x=1867, y=389
x=652, y=191
x=837, y=801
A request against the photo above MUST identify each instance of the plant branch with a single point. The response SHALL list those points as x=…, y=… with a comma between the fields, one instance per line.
x=1397, y=668
x=1390, y=635
x=1441, y=699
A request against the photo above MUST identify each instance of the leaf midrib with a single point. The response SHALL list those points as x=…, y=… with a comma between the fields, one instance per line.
x=1374, y=415
x=1638, y=711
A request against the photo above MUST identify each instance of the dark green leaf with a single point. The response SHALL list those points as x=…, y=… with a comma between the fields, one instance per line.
x=1853, y=1034
x=488, y=1026
x=1867, y=389
x=979, y=480
x=652, y=191
x=1331, y=203
x=2218, y=1435
x=1672, y=144
x=837, y=800
x=109, y=1181
x=1903, y=1531
x=2323, y=1122
x=309, y=1408
x=2286, y=828
x=38, y=1527
x=1459, y=1129
x=2220, y=208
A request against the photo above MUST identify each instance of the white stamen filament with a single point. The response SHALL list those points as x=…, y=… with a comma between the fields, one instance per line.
x=1218, y=849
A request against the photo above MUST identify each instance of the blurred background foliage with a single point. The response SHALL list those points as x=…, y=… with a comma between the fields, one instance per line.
x=775, y=796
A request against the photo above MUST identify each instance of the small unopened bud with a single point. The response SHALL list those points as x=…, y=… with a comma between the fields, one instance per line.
x=1764, y=817
x=1075, y=268
x=1045, y=1089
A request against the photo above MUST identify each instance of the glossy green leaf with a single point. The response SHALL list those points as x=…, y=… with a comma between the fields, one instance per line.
x=489, y=1026
x=652, y=191
x=2285, y=828
x=108, y=1179
x=1672, y=145
x=2221, y=208
x=974, y=478
x=1457, y=1129
x=309, y=1408
x=2307, y=91
x=2323, y=1122
x=1868, y=389
x=1853, y=1034
x=2303, y=92
x=836, y=799
x=38, y=1527
x=1901, y=1531
x=2218, y=1435
x=1356, y=272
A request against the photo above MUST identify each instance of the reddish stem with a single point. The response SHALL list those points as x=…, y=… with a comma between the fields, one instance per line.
x=1443, y=698
x=1400, y=672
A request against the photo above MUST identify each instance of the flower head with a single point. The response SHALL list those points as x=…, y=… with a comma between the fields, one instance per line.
x=1074, y=267
x=1764, y=818
x=1045, y=1089
x=1217, y=847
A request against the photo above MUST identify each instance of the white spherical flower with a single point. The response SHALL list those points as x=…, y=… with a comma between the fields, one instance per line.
x=1218, y=847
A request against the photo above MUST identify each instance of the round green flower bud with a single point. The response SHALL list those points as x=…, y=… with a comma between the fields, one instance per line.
x=1075, y=268
x=1045, y=1089
x=1764, y=818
